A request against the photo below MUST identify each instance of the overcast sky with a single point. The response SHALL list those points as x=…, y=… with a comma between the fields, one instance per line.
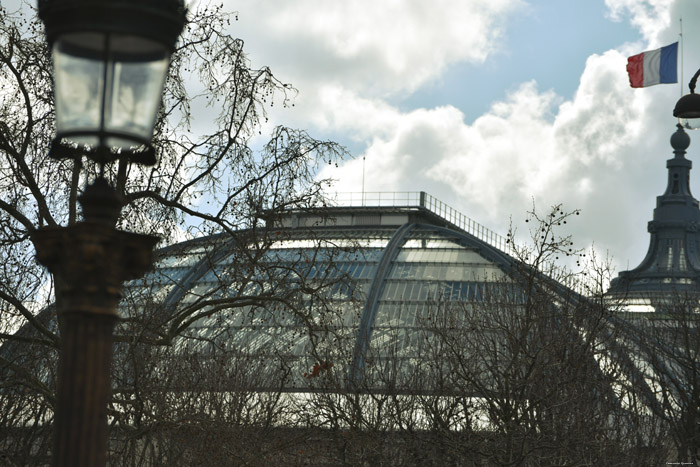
x=488, y=104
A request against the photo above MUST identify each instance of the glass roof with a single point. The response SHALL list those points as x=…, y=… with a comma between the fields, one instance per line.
x=308, y=298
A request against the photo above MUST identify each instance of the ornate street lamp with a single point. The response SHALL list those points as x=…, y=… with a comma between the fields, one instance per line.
x=687, y=108
x=110, y=61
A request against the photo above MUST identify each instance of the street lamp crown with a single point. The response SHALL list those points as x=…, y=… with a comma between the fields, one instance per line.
x=687, y=108
x=159, y=20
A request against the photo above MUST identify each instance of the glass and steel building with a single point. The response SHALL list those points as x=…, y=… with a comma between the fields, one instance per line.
x=330, y=290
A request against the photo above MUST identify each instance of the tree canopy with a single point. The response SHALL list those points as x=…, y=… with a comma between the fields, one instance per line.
x=214, y=174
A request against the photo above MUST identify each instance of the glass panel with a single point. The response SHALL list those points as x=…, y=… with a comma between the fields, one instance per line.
x=682, y=263
x=397, y=290
x=410, y=316
x=260, y=341
x=359, y=271
x=78, y=87
x=173, y=274
x=441, y=256
x=133, y=99
x=432, y=272
x=136, y=73
x=423, y=292
x=391, y=291
x=453, y=273
x=469, y=256
x=179, y=260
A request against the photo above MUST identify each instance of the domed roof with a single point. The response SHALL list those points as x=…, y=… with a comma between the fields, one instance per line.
x=672, y=263
x=378, y=273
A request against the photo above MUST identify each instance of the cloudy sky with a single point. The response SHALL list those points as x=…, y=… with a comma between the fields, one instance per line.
x=487, y=104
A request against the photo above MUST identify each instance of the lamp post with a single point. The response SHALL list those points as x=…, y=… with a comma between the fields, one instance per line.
x=110, y=60
x=687, y=108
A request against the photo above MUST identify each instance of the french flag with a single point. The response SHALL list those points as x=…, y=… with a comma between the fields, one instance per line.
x=654, y=67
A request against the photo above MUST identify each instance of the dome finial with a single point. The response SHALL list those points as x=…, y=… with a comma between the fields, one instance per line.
x=680, y=140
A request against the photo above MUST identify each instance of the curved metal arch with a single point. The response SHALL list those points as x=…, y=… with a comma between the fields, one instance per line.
x=364, y=332
x=366, y=326
x=196, y=272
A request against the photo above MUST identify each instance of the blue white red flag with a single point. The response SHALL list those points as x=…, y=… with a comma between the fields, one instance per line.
x=654, y=67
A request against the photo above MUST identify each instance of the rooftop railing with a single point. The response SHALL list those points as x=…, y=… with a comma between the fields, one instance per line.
x=434, y=205
x=454, y=217
x=488, y=236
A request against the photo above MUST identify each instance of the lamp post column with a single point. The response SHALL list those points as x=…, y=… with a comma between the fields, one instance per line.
x=101, y=50
x=90, y=261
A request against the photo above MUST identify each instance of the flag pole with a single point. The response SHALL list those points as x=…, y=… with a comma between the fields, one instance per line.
x=681, y=41
x=363, y=180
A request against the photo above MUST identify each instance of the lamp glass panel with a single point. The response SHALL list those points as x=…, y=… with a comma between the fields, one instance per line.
x=136, y=73
x=689, y=123
x=78, y=87
x=108, y=84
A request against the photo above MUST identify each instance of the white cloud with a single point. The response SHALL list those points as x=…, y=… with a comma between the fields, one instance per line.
x=604, y=114
x=651, y=17
x=379, y=47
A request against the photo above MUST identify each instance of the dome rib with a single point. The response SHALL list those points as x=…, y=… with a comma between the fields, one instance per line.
x=369, y=313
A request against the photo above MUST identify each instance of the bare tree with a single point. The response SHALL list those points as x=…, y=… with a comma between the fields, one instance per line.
x=668, y=343
x=548, y=379
x=525, y=372
x=208, y=178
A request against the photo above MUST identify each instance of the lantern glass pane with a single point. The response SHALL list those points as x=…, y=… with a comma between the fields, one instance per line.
x=108, y=85
x=135, y=86
x=78, y=88
x=690, y=123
